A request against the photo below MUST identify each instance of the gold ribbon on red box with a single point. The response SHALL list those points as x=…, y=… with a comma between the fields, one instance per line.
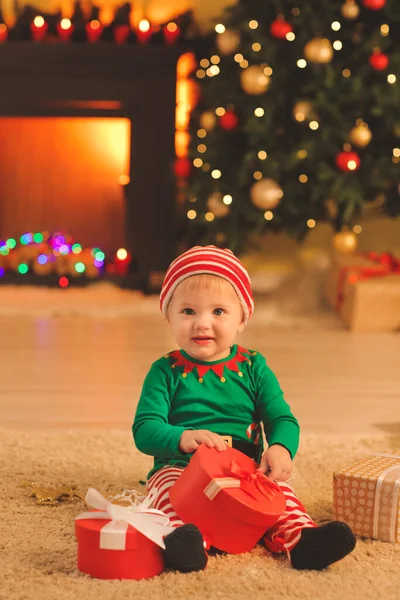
x=384, y=264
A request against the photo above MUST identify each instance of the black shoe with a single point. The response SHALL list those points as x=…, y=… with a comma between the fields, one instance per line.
x=319, y=547
x=184, y=549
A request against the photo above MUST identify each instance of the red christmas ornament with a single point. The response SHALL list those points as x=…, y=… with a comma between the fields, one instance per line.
x=348, y=161
x=374, y=4
x=280, y=28
x=182, y=167
x=378, y=60
x=229, y=120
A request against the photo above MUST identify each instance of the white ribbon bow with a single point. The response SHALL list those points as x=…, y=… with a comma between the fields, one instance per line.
x=152, y=523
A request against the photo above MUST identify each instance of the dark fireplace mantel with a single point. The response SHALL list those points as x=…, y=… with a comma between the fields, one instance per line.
x=107, y=80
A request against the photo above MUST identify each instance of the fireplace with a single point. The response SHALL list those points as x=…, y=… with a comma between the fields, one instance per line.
x=131, y=84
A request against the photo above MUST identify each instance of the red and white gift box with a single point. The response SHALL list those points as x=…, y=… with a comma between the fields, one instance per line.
x=230, y=502
x=118, y=542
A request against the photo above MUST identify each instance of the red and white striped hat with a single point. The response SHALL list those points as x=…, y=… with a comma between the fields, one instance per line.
x=213, y=261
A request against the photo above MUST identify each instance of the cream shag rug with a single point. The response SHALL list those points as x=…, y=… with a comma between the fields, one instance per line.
x=38, y=547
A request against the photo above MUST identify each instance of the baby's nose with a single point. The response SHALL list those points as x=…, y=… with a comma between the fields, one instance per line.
x=202, y=322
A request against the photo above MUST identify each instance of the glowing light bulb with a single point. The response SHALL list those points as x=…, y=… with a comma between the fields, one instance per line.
x=65, y=24
x=144, y=25
x=122, y=254
x=38, y=21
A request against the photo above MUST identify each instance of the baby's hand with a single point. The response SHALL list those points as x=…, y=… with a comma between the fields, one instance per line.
x=192, y=438
x=277, y=463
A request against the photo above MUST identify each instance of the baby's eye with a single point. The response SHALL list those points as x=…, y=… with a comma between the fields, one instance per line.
x=218, y=311
x=188, y=311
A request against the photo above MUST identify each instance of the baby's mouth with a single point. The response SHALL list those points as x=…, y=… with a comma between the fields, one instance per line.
x=202, y=340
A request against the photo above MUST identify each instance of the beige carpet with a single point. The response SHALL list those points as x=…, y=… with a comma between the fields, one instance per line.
x=38, y=548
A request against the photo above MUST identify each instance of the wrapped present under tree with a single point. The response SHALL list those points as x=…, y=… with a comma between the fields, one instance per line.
x=365, y=290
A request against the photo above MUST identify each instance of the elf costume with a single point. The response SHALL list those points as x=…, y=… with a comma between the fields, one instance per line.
x=230, y=397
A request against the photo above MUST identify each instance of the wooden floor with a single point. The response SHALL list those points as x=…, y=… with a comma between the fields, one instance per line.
x=78, y=372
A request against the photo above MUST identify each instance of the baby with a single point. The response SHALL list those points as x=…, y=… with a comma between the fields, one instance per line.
x=212, y=388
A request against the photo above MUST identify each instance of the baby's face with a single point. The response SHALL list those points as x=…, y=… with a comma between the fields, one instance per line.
x=205, y=320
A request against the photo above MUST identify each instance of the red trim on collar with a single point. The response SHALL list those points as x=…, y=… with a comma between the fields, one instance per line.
x=232, y=364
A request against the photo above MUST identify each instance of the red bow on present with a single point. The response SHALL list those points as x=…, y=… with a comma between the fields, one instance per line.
x=249, y=481
x=385, y=264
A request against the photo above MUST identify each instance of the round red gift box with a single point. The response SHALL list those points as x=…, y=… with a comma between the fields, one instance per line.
x=140, y=559
x=234, y=520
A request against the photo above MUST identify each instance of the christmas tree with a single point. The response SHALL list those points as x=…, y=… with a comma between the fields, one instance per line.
x=297, y=120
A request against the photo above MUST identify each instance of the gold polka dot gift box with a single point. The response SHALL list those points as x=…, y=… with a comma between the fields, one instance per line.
x=366, y=496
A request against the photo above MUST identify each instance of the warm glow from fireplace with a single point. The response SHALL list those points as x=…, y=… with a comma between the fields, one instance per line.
x=105, y=140
x=186, y=98
x=65, y=174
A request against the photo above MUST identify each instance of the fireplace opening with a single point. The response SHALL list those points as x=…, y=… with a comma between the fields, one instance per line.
x=65, y=174
x=131, y=85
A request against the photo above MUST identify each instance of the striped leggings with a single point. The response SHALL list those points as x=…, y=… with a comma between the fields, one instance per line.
x=281, y=537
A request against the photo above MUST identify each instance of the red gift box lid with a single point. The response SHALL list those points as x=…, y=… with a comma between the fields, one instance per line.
x=256, y=500
x=133, y=539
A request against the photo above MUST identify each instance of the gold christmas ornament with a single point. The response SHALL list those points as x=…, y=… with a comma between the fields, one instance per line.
x=228, y=41
x=302, y=110
x=350, y=9
x=345, y=242
x=266, y=194
x=216, y=206
x=254, y=81
x=208, y=120
x=361, y=135
x=318, y=50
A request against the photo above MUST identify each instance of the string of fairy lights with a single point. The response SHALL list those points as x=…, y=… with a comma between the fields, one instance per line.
x=255, y=80
x=94, y=29
x=45, y=254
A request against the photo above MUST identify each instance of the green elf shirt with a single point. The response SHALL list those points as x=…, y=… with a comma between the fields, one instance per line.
x=231, y=396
